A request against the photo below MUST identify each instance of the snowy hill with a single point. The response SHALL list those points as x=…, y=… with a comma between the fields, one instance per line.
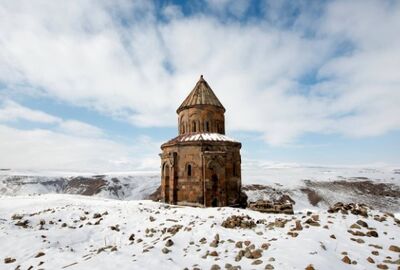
x=310, y=187
x=58, y=231
x=127, y=186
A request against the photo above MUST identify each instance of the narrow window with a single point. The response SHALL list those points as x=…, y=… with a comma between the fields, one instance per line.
x=194, y=126
x=207, y=126
x=189, y=170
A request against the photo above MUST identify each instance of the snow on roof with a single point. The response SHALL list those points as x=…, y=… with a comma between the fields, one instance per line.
x=203, y=136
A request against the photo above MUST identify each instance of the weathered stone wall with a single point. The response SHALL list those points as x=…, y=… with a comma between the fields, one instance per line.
x=202, y=118
x=214, y=178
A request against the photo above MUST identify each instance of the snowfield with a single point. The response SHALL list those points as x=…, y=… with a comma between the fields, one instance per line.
x=58, y=231
x=309, y=186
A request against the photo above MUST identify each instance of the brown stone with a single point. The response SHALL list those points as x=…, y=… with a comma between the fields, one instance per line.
x=257, y=262
x=169, y=243
x=382, y=266
x=9, y=260
x=394, y=248
x=346, y=259
x=362, y=223
x=298, y=226
x=265, y=246
x=239, y=244
x=312, y=222
x=40, y=254
x=370, y=260
x=355, y=226
x=255, y=254
x=213, y=253
x=372, y=234
x=310, y=267
x=201, y=166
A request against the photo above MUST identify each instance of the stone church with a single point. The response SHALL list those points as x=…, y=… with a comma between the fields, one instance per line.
x=201, y=166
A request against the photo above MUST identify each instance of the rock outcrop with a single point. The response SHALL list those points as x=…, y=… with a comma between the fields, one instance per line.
x=272, y=207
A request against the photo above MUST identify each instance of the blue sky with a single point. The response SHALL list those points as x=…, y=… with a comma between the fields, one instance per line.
x=94, y=85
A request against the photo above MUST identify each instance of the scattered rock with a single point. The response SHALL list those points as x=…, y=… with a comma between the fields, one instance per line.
x=354, y=208
x=370, y=260
x=372, y=234
x=310, y=267
x=96, y=215
x=169, y=243
x=115, y=228
x=16, y=216
x=312, y=222
x=346, y=259
x=40, y=254
x=265, y=246
x=132, y=237
x=265, y=206
x=382, y=266
x=23, y=224
x=269, y=267
x=9, y=260
x=394, y=248
x=257, y=262
x=244, y=222
x=355, y=226
x=362, y=223
x=165, y=250
x=298, y=226
x=213, y=253
x=255, y=254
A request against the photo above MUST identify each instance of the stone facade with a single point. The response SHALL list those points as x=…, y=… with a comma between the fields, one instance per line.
x=201, y=166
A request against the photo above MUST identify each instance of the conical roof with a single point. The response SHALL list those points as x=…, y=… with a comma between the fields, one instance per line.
x=202, y=94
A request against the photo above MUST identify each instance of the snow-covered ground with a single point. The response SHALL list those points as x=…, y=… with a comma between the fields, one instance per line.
x=310, y=187
x=61, y=233
x=122, y=185
x=291, y=175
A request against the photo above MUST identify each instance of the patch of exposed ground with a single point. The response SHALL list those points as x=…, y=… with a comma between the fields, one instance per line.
x=313, y=197
x=383, y=196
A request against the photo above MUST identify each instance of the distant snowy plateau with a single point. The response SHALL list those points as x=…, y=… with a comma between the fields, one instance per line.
x=63, y=220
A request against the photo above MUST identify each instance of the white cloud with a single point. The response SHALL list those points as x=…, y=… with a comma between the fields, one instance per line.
x=12, y=111
x=141, y=70
x=80, y=129
x=48, y=150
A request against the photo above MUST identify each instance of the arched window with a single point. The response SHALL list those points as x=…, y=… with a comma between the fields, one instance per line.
x=189, y=170
x=207, y=126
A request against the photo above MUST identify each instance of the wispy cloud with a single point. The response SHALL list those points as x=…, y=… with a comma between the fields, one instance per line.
x=289, y=70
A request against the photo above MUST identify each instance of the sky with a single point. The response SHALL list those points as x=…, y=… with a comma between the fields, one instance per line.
x=94, y=85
